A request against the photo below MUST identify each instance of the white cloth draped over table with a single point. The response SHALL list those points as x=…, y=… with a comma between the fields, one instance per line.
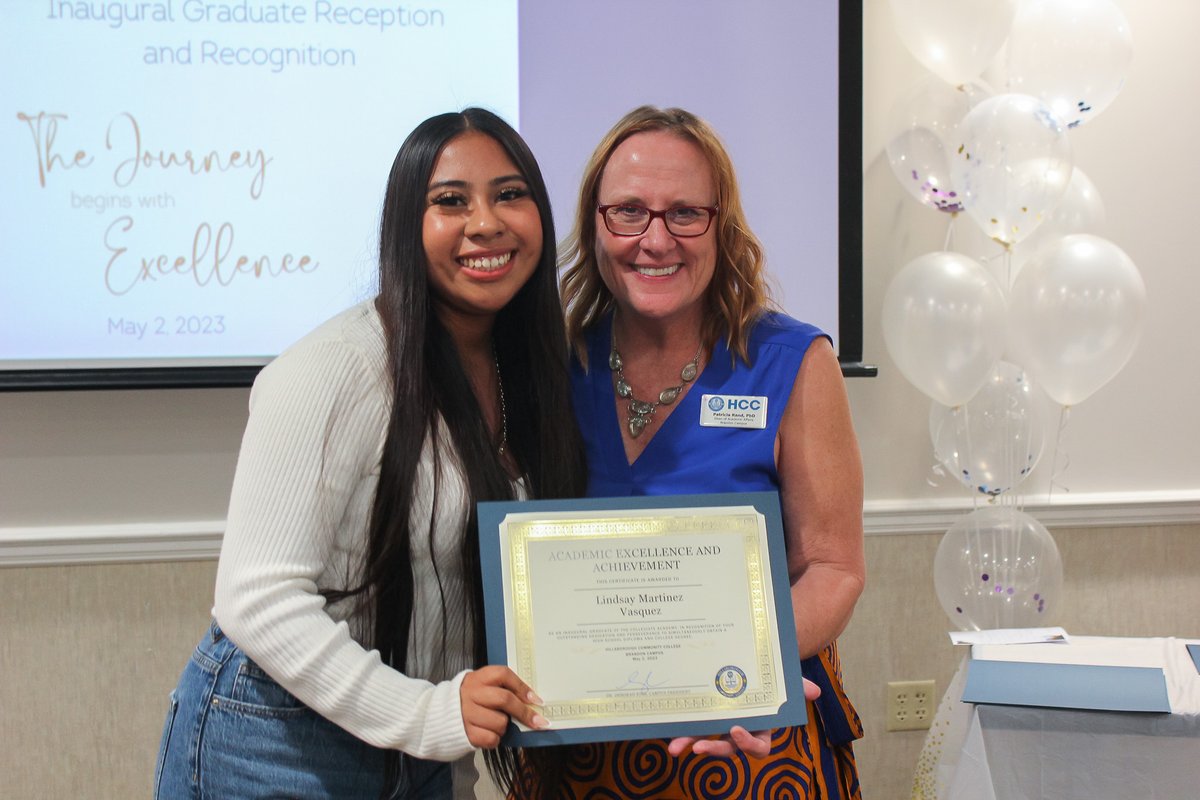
x=991, y=752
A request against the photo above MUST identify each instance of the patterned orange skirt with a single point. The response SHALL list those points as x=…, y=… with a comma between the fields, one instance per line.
x=815, y=761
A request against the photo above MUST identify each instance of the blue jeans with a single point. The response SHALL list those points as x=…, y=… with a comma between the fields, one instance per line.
x=232, y=732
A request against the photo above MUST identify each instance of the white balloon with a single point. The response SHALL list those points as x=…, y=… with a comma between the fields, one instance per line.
x=943, y=325
x=1081, y=210
x=992, y=442
x=1012, y=166
x=1072, y=54
x=1075, y=315
x=998, y=567
x=926, y=121
x=954, y=39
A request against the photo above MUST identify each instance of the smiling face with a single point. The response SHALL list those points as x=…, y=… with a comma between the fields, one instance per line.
x=656, y=275
x=482, y=232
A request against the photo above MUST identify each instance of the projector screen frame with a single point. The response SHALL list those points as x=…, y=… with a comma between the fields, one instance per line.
x=850, y=193
x=850, y=277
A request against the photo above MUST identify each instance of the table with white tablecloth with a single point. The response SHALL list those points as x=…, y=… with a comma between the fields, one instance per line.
x=1013, y=752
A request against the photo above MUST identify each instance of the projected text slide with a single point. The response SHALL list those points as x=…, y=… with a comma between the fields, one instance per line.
x=201, y=181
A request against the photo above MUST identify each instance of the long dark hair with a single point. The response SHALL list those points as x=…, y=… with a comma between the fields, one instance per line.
x=433, y=398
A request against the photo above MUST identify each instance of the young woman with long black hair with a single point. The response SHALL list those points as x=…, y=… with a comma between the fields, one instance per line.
x=346, y=655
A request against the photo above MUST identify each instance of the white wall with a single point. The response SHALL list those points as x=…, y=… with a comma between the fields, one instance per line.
x=86, y=458
x=1139, y=433
x=142, y=461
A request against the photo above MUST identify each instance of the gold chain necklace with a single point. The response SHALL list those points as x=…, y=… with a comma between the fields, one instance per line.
x=641, y=411
x=503, y=408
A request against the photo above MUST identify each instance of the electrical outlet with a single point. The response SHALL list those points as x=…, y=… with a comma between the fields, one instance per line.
x=910, y=705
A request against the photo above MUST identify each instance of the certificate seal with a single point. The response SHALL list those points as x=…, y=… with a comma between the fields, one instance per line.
x=730, y=681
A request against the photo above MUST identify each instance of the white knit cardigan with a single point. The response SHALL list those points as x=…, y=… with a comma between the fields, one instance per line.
x=298, y=515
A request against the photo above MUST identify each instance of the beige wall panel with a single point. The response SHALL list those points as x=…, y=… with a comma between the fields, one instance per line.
x=89, y=653
x=88, y=657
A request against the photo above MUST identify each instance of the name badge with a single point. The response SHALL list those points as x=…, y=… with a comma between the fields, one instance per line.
x=733, y=411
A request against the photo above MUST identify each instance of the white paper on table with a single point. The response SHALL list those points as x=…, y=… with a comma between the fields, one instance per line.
x=1010, y=636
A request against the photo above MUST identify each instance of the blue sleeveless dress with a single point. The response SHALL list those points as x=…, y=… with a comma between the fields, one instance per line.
x=685, y=458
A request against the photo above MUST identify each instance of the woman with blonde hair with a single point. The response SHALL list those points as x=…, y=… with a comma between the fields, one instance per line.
x=669, y=318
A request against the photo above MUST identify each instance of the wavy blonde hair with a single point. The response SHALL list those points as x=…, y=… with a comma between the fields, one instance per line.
x=738, y=292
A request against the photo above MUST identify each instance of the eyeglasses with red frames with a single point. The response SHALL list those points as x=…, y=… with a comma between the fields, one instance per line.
x=631, y=219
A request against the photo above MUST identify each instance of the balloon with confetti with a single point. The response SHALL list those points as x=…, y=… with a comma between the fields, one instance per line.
x=1074, y=55
x=998, y=567
x=1012, y=165
x=925, y=122
x=992, y=442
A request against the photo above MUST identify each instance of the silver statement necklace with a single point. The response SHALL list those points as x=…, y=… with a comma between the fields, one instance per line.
x=641, y=411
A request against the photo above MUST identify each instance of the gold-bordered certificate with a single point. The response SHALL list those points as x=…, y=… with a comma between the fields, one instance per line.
x=657, y=619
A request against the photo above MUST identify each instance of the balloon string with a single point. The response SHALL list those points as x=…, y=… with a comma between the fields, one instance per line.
x=1064, y=415
x=1021, y=457
x=949, y=243
x=936, y=473
x=1007, y=269
x=1010, y=440
x=1017, y=563
x=977, y=568
x=1016, y=453
x=969, y=453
